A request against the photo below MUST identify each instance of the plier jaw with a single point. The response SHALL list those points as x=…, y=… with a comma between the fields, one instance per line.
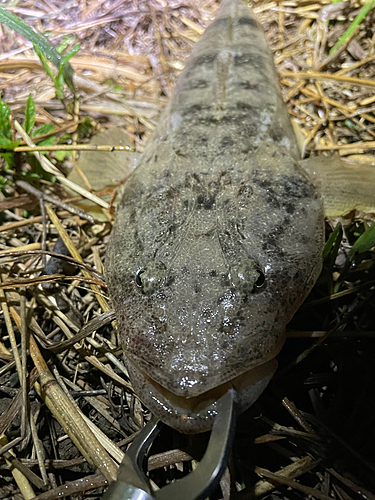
x=132, y=483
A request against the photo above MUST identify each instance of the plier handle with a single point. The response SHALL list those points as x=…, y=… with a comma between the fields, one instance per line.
x=132, y=483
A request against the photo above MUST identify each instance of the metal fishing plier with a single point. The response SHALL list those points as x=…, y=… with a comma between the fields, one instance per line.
x=132, y=483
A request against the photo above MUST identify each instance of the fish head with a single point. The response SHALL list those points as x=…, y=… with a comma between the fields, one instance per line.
x=205, y=277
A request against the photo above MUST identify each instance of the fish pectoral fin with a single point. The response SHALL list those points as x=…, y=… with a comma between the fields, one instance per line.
x=104, y=169
x=345, y=183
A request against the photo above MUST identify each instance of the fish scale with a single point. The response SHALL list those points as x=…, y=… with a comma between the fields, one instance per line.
x=218, y=237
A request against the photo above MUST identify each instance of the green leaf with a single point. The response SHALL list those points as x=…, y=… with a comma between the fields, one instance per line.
x=365, y=242
x=29, y=115
x=9, y=158
x=48, y=141
x=44, y=129
x=31, y=175
x=60, y=155
x=63, y=45
x=44, y=61
x=59, y=86
x=39, y=40
x=5, y=125
x=3, y=182
x=85, y=127
x=8, y=144
x=66, y=58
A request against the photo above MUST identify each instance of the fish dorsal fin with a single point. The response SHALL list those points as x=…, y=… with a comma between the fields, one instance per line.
x=345, y=184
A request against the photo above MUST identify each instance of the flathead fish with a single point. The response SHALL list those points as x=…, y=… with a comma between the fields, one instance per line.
x=218, y=237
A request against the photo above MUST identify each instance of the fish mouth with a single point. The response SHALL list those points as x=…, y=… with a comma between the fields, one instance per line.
x=196, y=414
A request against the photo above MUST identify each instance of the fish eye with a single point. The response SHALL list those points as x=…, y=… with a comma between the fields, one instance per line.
x=248, y=276
x=138, y=277
x=261, y=279
x=150, y=277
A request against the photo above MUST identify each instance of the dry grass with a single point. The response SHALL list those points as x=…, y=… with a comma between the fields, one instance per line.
x=67, y=408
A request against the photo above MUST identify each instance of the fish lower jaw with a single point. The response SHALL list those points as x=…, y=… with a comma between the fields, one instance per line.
x=197, y=414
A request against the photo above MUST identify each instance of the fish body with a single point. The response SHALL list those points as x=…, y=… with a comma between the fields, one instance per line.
x=218, y=237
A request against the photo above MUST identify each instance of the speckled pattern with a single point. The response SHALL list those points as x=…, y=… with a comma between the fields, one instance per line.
x=218, y=236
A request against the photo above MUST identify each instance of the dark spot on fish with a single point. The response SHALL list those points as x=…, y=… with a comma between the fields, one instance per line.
x=297, y=187
x=196, y=108
x=224, y=282
x=245, y=190
x=197, y=288
x=213, y=273
x=263, y=183
x=271, y=241
x=180, y=151
x=197, y=84
x=243, y=106
x=133, y=213
x=271, y=199
x=276, y=134
x=226, y=142
x=240, y=232
x=247, y=85
x=278, y=231
x=201, y=143
x=206, y=202
x=169, y=279
x=225, y=178
x=290, y=208
x=203, y=59
x=172, y=228
x=250, y=129
x=247, y=21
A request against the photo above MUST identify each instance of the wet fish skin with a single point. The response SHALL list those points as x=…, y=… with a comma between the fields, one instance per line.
x=218, y=237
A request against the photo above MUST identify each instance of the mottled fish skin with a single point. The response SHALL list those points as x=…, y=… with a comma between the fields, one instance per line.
x=218, y=237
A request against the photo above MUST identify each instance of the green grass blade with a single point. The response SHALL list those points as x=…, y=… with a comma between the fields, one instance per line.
x=333, y=241
x=36, y=38
x=357, y=21
x=29, y=115
x=365, y=242
x=66, y=58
